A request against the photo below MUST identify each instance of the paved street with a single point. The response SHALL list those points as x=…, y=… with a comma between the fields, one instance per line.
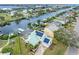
x=71, y=51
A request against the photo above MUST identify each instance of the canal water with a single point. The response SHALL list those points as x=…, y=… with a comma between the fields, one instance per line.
x=13, y=27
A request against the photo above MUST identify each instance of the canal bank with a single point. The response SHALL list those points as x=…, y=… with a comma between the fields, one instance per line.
x=13, y=27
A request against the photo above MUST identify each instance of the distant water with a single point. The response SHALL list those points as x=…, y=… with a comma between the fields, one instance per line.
x=29, y=5
x=23, y=23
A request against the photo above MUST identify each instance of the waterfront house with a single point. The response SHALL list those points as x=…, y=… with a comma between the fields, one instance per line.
x=54, y=26
x=37, y=36
x=12, y=13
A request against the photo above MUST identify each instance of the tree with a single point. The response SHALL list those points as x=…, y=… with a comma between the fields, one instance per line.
x=29, y=46
x=6, y=50
x=68, y=37
x=38, y=21
x=4, y=37
x=30, y=25
x=2, y=18
x=71, y=19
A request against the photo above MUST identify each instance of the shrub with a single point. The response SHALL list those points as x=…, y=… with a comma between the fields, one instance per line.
x=14, y=35
x=4, y=37
x=68, y=37
x=6, y=50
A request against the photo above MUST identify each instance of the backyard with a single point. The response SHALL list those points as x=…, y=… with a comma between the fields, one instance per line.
x=57, y=48
x=2, y=43
x=18, y=47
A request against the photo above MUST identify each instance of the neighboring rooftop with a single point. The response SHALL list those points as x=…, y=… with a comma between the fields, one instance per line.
x=52, y=26
x=57, y=24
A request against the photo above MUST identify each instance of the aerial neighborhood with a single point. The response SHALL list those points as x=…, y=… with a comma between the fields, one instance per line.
x=39, y=29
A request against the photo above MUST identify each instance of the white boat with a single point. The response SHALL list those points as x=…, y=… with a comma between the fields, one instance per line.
x=20, y=30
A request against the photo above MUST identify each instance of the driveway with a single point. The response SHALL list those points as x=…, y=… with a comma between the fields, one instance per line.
x=40, y=50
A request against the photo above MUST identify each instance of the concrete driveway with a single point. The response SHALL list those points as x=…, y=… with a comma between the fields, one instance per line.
x=40, y=50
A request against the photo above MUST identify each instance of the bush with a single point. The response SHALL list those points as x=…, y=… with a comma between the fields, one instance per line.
x=63, y=36
x=68, y=37
x=4, y=37
x=14, y=35
x=6, y=50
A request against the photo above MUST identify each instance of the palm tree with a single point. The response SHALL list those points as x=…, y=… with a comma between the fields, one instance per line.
x=30, y=25
x=38, y=21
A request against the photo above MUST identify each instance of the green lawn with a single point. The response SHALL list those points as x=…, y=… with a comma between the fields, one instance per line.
x=56, y=49
x=8, y=18
x=2, y=43
x=18, y=47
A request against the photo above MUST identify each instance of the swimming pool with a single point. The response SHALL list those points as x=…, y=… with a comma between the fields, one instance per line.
x=34, y=39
